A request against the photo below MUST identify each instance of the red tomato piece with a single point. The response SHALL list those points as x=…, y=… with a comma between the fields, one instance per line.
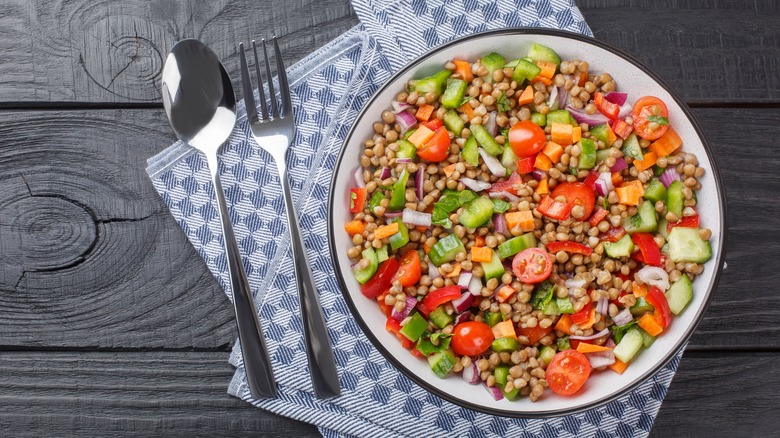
x=590, y=180
x=613, y=234
x=437, y=148
x=609, y=109
x=657, y=299
x=534, y=333
x=567, y=372
x=576, y=193
x=471, y=338
x=526, y=165
x=511, y=185
x=440, y=296
x=598, y=215
x=357, y=199
x=651, y=254
x=568, y=246
x=526, y=138
x=685, y=222
x=394, y=327
x=410, y=270
x=532, y=265
x=433, y=124
x=382, y=279
x=554, y=209
x=647, y=110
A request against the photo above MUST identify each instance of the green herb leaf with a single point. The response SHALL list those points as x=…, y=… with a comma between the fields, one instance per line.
x=564, y=344
x=465, y=100
x=503, y=104
x=500, y=206
x=543, y=295
x=605, y=203
x=449, y=201
x=661, y=120
x=619, y=332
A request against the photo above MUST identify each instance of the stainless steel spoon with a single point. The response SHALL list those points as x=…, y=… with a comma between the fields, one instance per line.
x=201, y=106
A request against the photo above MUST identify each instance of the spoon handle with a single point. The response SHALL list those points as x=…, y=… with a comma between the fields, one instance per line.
x=257, y=364
x=322, y=365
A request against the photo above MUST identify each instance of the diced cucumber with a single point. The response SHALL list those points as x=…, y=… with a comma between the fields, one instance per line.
x=603, y=133
x=631, y=147
x=539, y=119
x=516, y=244
x=685, y=245
x=453, y=94
x=647, y=340
x=563, y=343
x=446, y=249
x=476, y=212
x=470, y=151
x=505, y=344
x=602, y=155
x=588, y=155
x=442, y=362
x=494, y=268
x=655, y=191
x=629, y=346
x=400, y=238
x=381, y=254
x=546, y=354
x=538, y=52
x=511, y=395
x=525, y=70
x=509, y=159
x=679, y=294
x=645, y=221
x=405, y=149
x=492, y=62
x=641, y=306
x=501, y=373
x=675, y=198
x=559, y=116
x=486, y=140
x=500, y=206
x=431, y=84
x=440, y=317
x=453, y=122
x=621, y=248
x=662, y=227
x=415, y=327
x=365, y=274
x=492, y=319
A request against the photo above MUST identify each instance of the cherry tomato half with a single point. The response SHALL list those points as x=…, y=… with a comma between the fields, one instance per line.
x=437, y=148
x=532, y=265
x=410, y=269
x=567, y=372
x=577, y=194
x=526, y=138
x=650, y=109
x=471, y=338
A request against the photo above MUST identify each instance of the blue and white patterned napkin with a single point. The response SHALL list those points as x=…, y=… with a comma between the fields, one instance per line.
x=329, y=89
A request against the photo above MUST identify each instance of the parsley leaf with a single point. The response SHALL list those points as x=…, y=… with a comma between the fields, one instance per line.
x=465, y=100
x=543, y=295
x=503, y=105
x=449, y=201
x=605, y=203
x=661, y=120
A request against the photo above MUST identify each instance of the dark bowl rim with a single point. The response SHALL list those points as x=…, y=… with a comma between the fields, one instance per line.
x=681, y=342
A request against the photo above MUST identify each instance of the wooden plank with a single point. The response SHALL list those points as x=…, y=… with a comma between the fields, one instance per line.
x=81, y=51
x=183, y=394
x=702, y=47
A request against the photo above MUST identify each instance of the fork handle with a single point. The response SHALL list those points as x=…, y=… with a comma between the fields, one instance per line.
x=322, y=364
x=257, y=363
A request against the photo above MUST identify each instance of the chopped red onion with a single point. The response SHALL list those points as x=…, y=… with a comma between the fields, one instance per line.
x=414, y=217
x=617, y=97
x=393, y=214
x=491, y=125
x=619, y=165
x=563, y=97
x=399, y=106
x=623, y=317
x=475, y=185
x=405, y=120
x=464, y=317
x=572, y=283
x=475, y=286
x=494, y=391
x=590, y=119
x=504, y=194
x=553, y=101
x=669, y=176
x=610, y=343
x=419, y=181
x=625, y=111
x=433, y=271
x=601, y=358
x=464, y=279
x=386, y=173
x=471, y=374
x=591, y=337
x=604, y=184
x=654, y=276
x=359, y=177
x=400, y=316
x=463, y=303
x=403, y=160
x=495, y=166
x=602, y=305
x=539, y=174
x=500, y=225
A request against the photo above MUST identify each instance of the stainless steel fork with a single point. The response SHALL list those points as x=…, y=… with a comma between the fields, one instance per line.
x=274, y=132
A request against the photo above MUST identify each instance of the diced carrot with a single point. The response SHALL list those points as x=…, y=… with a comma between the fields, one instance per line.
x=467, y=110
x=619, y=366
x=355, y=227
x=548, y=69
x=553, y=150
x=542, y=79
x=561, y=133
x=617, y=179
x=424, y=112
x=421, y=136
x=421, y=228
x=582, y=78
x=543, y=188
x=543, y=162
x=520, y=220
x=668, y=143
x=649, y=160
x=449, y=170
x=584, y=347
x=504, y=329
x=386, y=230
x=630, y=193
x=463, y=68
x=591, y=319
x=639, y=290
x=564, y=324
x=527, y=96
x=504, y=293
x=479, y=241
x=426, y=248
x=481, y=254
x=576, y=134
x=649, y=324
x=455, y=271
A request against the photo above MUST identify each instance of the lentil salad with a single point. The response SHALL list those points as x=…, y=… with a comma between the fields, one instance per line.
x=506, y=220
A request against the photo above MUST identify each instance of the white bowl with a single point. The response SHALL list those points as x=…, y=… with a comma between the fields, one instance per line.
x=632, y=77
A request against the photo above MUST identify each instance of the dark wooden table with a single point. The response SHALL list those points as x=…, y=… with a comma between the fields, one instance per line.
x=110, y=323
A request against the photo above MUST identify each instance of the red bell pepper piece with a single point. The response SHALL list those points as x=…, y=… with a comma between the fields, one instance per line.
x=382, y=279
x=393, y=326
x=641, y=259
x=651, y=254
x=572, y=247
x=657, y=299
x=534, y=333
x=440, y=296
x=590, y=180
x=380, y=299
x=598, y=215
x=511, y=185
x=613, y=234
x=583, y=315
x=554, y=209
x=357, y=199
x=526, y=165
x=433, y=124
x=606, y=107
x=621, y=128
x=685, y=222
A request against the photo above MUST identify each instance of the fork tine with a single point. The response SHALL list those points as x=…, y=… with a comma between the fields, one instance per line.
x=246, y=84
x=260, y=88
x=274, y=107
x=284, y=87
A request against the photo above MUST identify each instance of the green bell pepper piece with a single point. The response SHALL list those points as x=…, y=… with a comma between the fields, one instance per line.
x=641, y=306
x=431, y=84
x=501, y=373
x=400, y=238
x=398, y=193
x=486, y=140
x=376, y=199
x=381, y=254
x=470, y=151
x=445, y=250
x=539, y=119
x=453, y=122
x=405, y=149
x=492, y=319
x=365, y=274
x=440, y=317
x=415, y=327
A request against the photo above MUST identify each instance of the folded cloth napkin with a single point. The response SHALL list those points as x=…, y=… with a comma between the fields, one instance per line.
x=329, y=88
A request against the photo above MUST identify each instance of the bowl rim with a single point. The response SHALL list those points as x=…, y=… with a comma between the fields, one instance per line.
x=661, y=363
